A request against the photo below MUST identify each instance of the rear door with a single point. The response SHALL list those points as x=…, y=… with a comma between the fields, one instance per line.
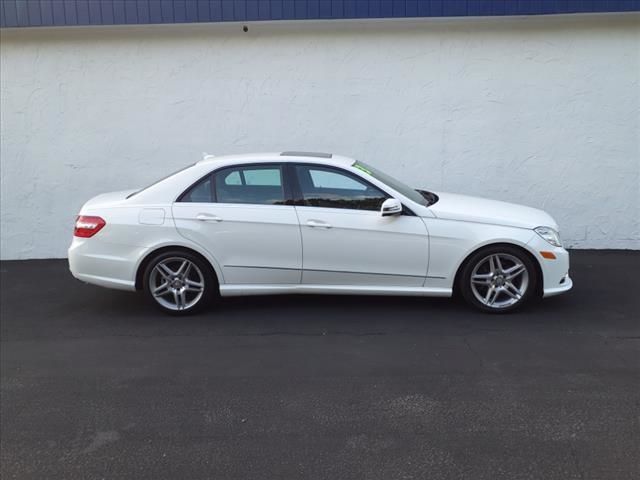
x=345, y=239
x=243, y=215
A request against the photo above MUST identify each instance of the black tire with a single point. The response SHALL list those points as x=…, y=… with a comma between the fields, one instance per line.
x=198, y=271
x=498, y=287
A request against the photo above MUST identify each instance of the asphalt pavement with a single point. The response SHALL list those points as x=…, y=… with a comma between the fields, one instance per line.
x=98, y=384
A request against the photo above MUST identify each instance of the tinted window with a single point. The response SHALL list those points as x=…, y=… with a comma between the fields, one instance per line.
x=329, y=179
x=232, y=178
x=257, y=185
x=266, y=177
x=330, y=188
x=201, y=192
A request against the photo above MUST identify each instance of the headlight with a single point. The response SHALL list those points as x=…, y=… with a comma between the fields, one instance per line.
x=550, y=235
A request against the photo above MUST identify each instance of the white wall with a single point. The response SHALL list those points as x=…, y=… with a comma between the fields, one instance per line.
x=541, y=111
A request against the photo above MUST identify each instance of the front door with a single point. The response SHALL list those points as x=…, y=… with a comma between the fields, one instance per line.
x=239, y=214
x=345, y=239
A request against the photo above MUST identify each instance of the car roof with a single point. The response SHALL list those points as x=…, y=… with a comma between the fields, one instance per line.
x=280, y=157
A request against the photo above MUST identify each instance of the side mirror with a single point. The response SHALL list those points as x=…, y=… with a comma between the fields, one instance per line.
x=391, y=206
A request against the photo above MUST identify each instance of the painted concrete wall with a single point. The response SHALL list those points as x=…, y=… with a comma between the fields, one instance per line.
x=539, y=111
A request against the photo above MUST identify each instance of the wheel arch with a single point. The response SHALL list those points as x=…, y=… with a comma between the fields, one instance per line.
x=142, y=265
x=539, y=274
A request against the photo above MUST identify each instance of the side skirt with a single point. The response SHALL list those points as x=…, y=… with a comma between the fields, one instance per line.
x=240, y=290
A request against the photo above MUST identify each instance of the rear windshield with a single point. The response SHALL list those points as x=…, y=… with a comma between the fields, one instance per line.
x=158, y=181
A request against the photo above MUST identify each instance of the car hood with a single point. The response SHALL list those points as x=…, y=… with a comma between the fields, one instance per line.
x=465, y=208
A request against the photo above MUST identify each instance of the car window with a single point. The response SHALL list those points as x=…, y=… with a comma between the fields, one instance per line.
x=264, y=176
x=329, y=179
x=257, y=185
x=332, y=188
x=201, y=192
x=233, y=178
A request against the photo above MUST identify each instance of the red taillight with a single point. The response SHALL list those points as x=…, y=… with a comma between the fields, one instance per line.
x=87, y=226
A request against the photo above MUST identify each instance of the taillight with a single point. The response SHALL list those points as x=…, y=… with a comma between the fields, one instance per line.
x=87, y=226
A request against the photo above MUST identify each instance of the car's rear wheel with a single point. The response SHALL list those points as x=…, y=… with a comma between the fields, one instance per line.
x=498, y=279
x=179, y=282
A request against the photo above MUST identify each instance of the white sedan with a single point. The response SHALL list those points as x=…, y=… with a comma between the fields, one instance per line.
x=296, y=222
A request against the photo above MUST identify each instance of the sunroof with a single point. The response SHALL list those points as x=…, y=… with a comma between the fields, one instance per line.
x=306, y=154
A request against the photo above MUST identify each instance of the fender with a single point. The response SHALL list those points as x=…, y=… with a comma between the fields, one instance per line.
x=185, y=244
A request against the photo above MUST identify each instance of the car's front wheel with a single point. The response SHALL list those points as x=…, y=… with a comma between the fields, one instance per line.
x=179, y=282
x=498, y=279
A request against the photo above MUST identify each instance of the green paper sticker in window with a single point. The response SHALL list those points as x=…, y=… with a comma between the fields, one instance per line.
x=360, y=167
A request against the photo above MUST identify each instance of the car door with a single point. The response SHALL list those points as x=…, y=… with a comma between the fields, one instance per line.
x=245, y=218
x=346, y=241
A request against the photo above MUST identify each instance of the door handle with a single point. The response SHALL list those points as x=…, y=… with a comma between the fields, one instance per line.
x=316, y=223
x=207, y=217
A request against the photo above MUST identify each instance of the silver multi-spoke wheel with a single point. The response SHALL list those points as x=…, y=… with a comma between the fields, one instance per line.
x=176, y=283
x=499, y=280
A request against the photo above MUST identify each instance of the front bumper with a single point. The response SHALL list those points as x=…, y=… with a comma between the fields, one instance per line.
x=565, y=286
x=555, y=271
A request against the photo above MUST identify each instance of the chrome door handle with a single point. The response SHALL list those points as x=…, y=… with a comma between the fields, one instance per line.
x=315, y=223
x=207, y=217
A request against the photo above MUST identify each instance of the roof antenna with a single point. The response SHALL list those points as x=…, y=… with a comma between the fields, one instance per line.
x=207, y=156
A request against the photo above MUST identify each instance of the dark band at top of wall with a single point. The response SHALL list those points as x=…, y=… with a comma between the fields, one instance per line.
x=35, y=13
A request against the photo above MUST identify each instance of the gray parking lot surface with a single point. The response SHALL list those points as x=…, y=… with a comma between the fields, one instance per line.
x=98, y=384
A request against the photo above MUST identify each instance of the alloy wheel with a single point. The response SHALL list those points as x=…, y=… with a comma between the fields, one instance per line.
x=176, y=283
x=499, y=280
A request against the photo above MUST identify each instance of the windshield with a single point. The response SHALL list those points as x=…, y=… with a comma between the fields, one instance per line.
x=397, y=185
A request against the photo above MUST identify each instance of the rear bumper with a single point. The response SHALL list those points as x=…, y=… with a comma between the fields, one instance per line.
x=115, y=269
